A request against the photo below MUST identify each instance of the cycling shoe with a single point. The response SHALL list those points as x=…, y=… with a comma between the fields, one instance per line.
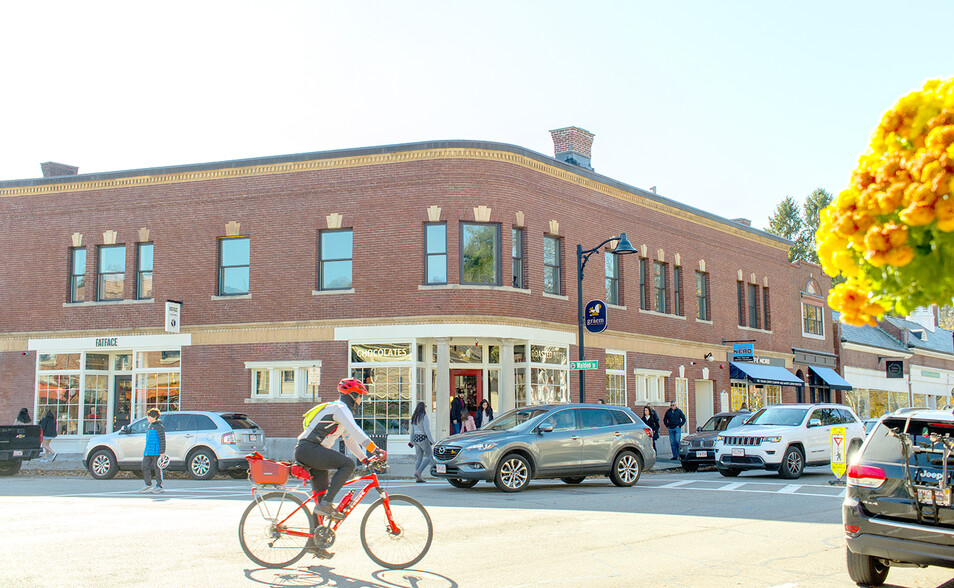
x=326, y=510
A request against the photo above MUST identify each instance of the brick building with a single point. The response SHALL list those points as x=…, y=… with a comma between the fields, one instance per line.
x=420, y=268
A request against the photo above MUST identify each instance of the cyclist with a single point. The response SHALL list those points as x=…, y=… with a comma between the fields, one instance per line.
x=323, y=425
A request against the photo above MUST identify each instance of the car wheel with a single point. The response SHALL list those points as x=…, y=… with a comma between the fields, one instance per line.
x=462, y=482
x=102, y=465
x=793, y=462
x=202, y=465
x=729, y=472
x=237, y=474
x=513, y=473
x=626, y=469
x=866, y=570
x=573, y=479
x=10, y=467
x=689, y=466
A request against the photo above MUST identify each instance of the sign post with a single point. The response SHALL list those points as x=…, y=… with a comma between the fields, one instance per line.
x=839, y=457
x=173, y=308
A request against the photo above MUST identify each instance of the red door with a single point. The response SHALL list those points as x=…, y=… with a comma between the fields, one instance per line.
x=471, y=382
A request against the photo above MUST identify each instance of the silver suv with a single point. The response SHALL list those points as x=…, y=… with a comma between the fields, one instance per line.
x=201, y=443
x=566, y=441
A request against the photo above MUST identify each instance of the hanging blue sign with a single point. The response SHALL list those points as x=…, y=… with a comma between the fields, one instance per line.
x=743, y=351
x=594, y=316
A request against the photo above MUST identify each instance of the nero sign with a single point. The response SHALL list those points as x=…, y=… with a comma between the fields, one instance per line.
x=594, y=316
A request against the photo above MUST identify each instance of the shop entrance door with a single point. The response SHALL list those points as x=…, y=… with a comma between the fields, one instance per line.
x=122, y=401
x=471, y=382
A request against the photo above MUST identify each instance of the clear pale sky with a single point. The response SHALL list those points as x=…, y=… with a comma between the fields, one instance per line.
x=725, y=106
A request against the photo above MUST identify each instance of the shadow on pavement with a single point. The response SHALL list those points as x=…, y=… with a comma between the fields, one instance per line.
x=321, y=575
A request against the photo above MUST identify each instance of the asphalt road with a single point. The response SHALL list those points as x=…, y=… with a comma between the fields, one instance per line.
x=672, y=529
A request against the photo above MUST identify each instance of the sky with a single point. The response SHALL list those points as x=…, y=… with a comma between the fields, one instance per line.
x=725, y=106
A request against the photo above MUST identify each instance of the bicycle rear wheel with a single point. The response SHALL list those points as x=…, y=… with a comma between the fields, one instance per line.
x=412, y=540
x=263, y=525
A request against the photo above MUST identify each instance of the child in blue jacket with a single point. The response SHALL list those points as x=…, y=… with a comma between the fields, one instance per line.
x=155, y=448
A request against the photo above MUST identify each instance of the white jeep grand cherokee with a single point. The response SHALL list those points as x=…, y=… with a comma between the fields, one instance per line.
x=786, y=438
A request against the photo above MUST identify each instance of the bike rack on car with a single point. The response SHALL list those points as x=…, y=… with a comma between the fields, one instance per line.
x=909, y=448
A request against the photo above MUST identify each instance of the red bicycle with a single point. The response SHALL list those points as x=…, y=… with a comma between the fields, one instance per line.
x=277, y=528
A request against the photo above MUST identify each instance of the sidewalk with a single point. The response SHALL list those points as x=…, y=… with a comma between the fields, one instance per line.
x=400, y=467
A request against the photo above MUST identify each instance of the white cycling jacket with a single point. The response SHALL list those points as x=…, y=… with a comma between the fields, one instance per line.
x=332, y=420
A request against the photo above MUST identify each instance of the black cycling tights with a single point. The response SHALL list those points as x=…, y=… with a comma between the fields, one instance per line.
x=321, y=459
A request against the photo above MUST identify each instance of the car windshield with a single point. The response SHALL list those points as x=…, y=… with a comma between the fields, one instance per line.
x=723, y=422
x=239, y=421
x=514, y=419
x=784, y=416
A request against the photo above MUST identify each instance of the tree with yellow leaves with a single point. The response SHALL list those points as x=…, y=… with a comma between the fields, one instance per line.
x=891, y=233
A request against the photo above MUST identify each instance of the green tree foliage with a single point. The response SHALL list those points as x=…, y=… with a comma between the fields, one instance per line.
x=787, y=223
x=813, y=206
x=799, y=226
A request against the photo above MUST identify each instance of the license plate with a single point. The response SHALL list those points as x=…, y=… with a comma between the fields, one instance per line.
x=942, y=497
x=17, y=453
x=738, y=452
x=441, y=468
x=253, y=437
x=702, y=454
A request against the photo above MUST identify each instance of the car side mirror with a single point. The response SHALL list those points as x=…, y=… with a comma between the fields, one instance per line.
x=545, y=428
x=123, y=430
x=814, y=422
x=698, y=429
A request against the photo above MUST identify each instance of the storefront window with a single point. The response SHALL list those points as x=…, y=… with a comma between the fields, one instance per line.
x=493, y=392
x=466, y=354
x=387, y=406
x=616, y=379
x=123, y=363
x=494, y=354
x=60, y=393
x=548, y=385
x=95, y=400
x=548, y=354
x=520, y=385
x=157, y=390
x=157, y=359
x=97, y=361
x=519, y=353
x=58, y=361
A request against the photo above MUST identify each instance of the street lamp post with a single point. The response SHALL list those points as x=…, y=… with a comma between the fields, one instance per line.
x=623, y=247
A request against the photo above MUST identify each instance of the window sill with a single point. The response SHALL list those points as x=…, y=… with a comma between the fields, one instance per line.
x=324, y=292
x=615, y=306
x=813, y=336
x=278, y=400
x=555, y=296
x=471, y=287
x=106, y=302
x=233, y=297
x=662, y=314
x=703, y=321
x=756, y=330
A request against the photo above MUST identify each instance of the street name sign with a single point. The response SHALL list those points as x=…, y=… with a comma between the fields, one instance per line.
x=589, y=364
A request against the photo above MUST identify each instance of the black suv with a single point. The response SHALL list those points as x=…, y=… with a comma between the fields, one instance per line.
x=897, y=508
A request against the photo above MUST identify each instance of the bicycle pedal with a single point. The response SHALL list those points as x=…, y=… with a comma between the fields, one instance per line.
x=321, y=553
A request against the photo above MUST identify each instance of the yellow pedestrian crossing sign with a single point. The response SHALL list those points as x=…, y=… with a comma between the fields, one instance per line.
x=839, y=461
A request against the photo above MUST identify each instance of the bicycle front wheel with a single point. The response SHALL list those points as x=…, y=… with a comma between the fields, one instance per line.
x=401, y=548
x=263, y=530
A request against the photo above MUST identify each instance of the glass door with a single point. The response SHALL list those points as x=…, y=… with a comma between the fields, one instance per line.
x=122, y=401
x=471, y=382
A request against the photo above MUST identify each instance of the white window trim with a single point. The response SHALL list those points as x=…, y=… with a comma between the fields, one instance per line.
x=650, y=386
x=274, y=369
x=621, y=372
x=806, y=334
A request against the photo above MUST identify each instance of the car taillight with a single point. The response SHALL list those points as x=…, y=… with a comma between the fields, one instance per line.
x=866, y=476
x=649, y=432
x=852, y=529
x=228, y=439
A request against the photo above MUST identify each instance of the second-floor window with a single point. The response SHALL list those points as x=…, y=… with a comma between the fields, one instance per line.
x=335, y=250
x=702, y=296
x=677, y=290
x=752, y=300
x=144, y=271
x=766, y=310
x=480, y=253
x=435, y=247
x=611, y=263
x=659, y=287
x=112, y=271
x=643, y=284
x=77, y=274
x=812, y=320
x=234, y=256
x=740, y=290
x=517, y=257
x=551, y=265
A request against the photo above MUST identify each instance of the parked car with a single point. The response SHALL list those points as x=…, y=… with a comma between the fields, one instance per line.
x=897, y=507
x=18, y=443
x=698, y=449
x=198, y=442
x=786, y=438
x=869, y=425
x=566, y=441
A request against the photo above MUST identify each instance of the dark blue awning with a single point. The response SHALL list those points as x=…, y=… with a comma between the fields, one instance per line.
x=831, y=377
x=763, y=374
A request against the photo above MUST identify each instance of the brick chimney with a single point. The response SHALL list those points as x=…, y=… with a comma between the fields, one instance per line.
x=52, y=169
x=572, y=145
x=742, y=221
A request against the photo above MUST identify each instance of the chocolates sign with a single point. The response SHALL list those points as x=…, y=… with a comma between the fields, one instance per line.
x=381, y=352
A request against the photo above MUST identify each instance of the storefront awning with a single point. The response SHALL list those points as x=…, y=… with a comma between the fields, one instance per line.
x=763, y=374
x=831, y=377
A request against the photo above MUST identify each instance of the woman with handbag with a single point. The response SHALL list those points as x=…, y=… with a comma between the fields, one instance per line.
x=421, y=440
x=652, y=421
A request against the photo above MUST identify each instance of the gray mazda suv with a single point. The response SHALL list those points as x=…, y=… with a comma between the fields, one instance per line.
x=566, y=441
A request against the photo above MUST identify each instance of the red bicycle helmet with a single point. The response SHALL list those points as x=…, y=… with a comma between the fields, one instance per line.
x=351, y=386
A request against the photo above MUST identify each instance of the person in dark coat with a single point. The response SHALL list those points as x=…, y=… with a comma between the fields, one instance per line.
x=674, y=419
x=652, y=421
x=457, y=412
x=23, y=418
x=484, y=414
x=48, y=425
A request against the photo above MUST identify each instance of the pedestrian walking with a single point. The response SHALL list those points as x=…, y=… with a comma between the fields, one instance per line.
x=48, y=426
x=484, y=415
x=674, y=419
x=155, y=448
x=652, y=421
x=23, y=418
x=421, y=440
